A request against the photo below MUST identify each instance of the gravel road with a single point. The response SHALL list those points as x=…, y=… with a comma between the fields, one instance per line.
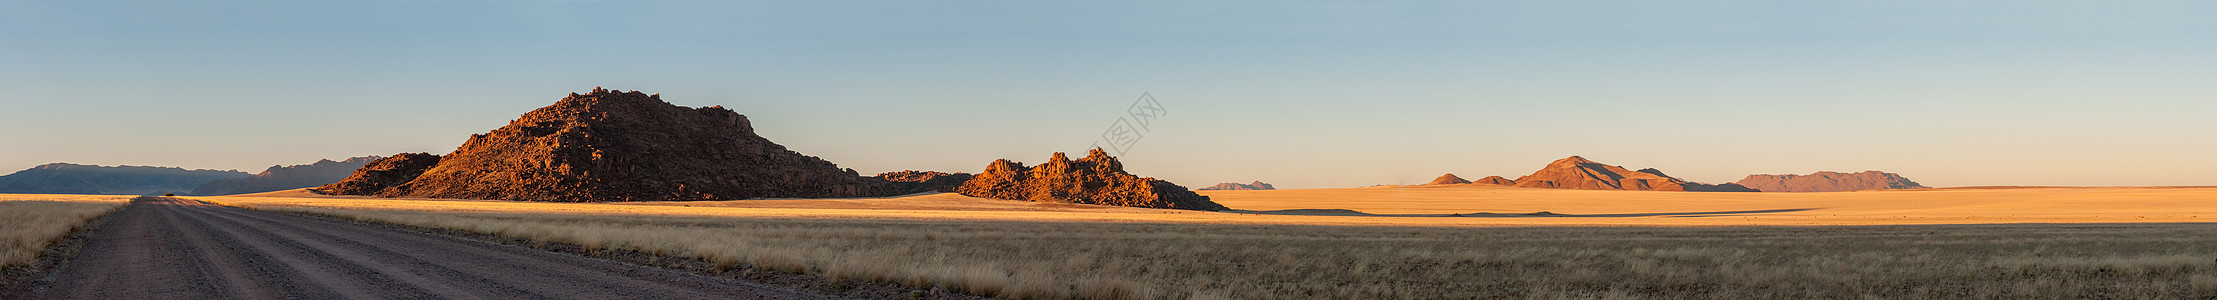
x=170, y=248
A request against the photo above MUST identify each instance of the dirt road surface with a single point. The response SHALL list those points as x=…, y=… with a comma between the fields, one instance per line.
x=169, y=248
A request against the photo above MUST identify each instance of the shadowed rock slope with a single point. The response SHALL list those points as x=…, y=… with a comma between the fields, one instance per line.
x=278, y=178
x=67, y=178
x=1580, y=174
x=1829, y=181
x=1095, y=179
x=911, y=181
x=617, y=146
x=1234, y=186
x=383, y=173
x=1495, y=180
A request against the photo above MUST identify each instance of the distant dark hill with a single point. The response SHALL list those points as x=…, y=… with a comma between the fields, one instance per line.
x=912, y=181
x=1829, y=181
x=1577, y=173
x=1234, y=186
x=278, y=178
x=65, y=178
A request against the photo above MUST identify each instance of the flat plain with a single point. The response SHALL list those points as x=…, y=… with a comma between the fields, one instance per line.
x=1412, y=242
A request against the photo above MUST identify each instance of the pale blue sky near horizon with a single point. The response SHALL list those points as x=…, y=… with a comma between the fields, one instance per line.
x=1301, y=94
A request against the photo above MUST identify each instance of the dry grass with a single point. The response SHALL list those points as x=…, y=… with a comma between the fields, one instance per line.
x=1597, y=208
x=2117, y=248
x=30, y=223
x=1055, y=260
x=1879, y=207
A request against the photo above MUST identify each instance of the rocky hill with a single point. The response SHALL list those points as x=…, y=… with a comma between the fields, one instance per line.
x=278, y=178
x=66, y=178
x=1095, y=179
x=1578, y=173
x=614, y=146
x=1234, y=186
x=1829, y=181
x=1495, y=180
x=1448, y=178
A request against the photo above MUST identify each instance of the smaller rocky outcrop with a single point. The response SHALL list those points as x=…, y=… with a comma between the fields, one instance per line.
x=1829, y=181
x=912, y=181
x=1095, y=179
x=1495, y=180
x=1448, y=178
x=1234, y=186
x=379, y=175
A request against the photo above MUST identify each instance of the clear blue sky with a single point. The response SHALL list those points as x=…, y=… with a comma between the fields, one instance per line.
x=1300, y=94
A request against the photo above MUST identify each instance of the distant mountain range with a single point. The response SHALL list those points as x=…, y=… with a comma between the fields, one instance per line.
x=1829, y=181
x=278, y=178
x=1450, y=178
x=67, y=178
x=1578, y=173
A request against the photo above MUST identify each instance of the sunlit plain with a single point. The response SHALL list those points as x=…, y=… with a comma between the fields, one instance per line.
x=1608, y=244
x=1433, y=205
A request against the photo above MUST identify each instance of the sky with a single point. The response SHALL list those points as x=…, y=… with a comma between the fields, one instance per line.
x=1300, y=94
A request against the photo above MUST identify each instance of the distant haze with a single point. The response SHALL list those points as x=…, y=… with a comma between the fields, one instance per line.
x=1300, y=95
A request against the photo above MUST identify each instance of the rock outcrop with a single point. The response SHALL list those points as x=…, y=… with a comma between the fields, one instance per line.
x=911, y=182
x=381, y=174
x=66, y=178
x=1449, y=178
x=1578, y=173
x=1495, y=180
x=1234, y=186
x=278, y=178
x=1829, y=181
x=623, y=146
x=1095, y=179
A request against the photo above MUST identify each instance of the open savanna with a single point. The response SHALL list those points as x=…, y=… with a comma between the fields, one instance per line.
x=1685, y=245
x=30, y=223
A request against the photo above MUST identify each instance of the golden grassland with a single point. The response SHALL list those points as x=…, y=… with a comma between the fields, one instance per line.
x=2098, y=243
x=30, y=223
x=1874, y=207
x=1508, y=204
